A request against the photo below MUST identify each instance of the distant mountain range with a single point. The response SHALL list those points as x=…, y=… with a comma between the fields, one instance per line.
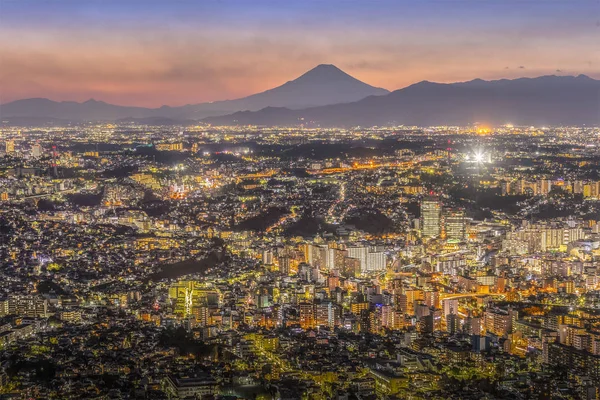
x=326, y=96
x=322, y=85
x=547, y=100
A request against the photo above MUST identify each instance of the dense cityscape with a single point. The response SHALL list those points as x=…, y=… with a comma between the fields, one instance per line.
x=299, y=200
x=163, y=262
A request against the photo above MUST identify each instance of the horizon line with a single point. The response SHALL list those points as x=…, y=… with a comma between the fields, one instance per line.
x=92, y=99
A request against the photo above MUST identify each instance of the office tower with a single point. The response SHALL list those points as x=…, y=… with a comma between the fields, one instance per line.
x=431, y=215
x=9, y=147
x=455, y=225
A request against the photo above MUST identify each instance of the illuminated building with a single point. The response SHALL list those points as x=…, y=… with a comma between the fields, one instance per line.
x=27, y=306
x=307, y=315
x=359, y=253
x=169, y=146
x=370, y=259
x=177, y=191
x=147, y=180
x=183, y=387
x=499, y=322
x=326, y=314
x=9, y=147
x=36, y=150
x=576, y=360
x=191, y=298
x=455, y=226
x=376, y=261
x=544, y=186
x=267, y=257
x=386, y=382
x=284, y=265
x=450, y=306
x=431, y=215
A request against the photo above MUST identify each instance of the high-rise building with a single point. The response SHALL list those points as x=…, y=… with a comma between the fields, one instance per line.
x=284, y=265
x=376, y=261
x=452, y=324
x=36, y=150
x=431, y=216
x=267, y=257
x=450, y=306
x=315, y=255
x=371, y=258
x=307, y=315
x=455, y=225
x=9, y=147
x=326, y=314
x=359, y=253
x=499, y=322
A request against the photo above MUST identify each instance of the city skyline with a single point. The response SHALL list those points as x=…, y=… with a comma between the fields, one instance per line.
x=168, y=261
x=187, y=52
x=301, y=200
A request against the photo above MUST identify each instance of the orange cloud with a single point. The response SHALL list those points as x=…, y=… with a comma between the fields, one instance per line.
x=152, y=67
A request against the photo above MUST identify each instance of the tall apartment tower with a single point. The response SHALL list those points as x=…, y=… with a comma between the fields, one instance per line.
x=455, y=224
x=9, y=147
x=431, y=216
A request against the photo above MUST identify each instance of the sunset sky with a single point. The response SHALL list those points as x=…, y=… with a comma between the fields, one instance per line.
x=176, y=52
